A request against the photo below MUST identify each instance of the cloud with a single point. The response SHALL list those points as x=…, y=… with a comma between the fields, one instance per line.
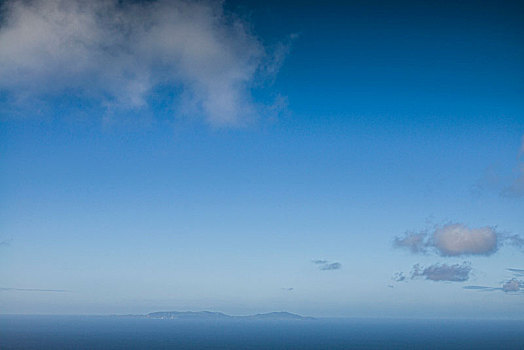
x=508, y=286
x=325, y=265
x=513, y=285
x=34, y=290
x=332, y=266
x=481, y=288
x=514, y=240
x=415, y=242
x=399, y=277
x=457, y=239
x=516, y=189
x=517, y=272
x=118, y=55
x=494, y=180
x=318, y=262
x=443, y=272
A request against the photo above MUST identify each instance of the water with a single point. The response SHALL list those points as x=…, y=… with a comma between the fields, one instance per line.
x=98, y=332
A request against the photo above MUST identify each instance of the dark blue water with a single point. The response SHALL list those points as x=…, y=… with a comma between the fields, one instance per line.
x=91, y=332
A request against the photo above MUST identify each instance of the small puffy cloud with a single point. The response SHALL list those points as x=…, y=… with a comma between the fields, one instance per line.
x=399, y=277
x=513, y=285
x=325, y=265
x=118, y=55
x=456, y=239
x=331, y=266
x=443, y=272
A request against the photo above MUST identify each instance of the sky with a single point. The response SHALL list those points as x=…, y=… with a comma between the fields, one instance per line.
x=341, y=159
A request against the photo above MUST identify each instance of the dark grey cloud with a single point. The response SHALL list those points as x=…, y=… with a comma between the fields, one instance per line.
x=456, y=239
x=443, y=272
x=34, y=290
x=513, y=285
x=325, y=265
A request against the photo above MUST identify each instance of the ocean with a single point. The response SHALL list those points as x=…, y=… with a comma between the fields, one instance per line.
x=107, y=332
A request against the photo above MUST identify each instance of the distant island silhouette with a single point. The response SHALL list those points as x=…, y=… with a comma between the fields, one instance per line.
x=209, y=315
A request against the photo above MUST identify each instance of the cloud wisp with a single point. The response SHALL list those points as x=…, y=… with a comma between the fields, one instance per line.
x=517, y=272
x=33, y=290
x=325, y=265
x=119, y=55
x=457, y=239
x=512, y=286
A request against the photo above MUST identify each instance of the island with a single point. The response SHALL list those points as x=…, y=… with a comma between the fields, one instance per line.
x=209, y=315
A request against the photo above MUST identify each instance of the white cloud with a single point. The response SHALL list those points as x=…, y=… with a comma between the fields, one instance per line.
x=118, y=53
x=456, y=239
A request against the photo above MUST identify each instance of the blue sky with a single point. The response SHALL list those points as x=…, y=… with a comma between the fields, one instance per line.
x=259, y=156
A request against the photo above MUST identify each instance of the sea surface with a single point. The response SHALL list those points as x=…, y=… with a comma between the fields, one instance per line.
x=105, y=332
